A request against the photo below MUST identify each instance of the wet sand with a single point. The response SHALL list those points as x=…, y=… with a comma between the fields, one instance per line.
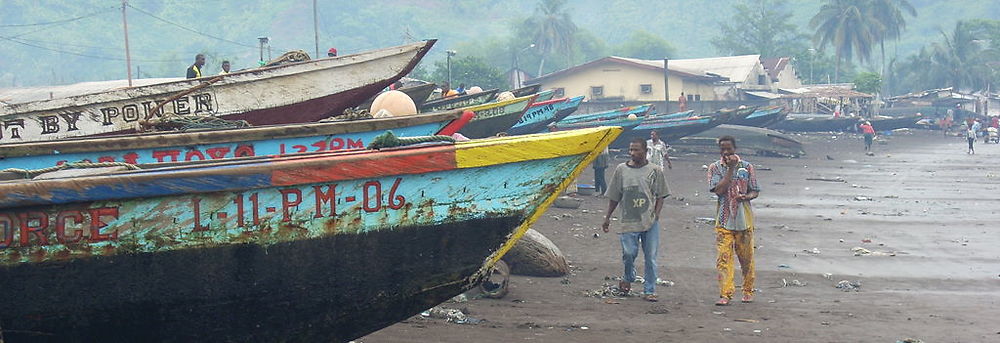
x=931, y=205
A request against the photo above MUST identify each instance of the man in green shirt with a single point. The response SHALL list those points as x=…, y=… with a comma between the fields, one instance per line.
x=194, y=71
x=640, y=187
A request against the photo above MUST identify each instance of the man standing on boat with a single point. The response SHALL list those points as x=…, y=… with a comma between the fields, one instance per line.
x=225, y=68
x=658, y=151
x=640, y=187
x=734, y=182
x=194, y=71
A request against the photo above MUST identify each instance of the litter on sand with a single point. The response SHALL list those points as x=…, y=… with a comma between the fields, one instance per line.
x=848, y=286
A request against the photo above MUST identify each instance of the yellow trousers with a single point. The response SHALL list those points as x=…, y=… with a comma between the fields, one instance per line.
x=726, y=242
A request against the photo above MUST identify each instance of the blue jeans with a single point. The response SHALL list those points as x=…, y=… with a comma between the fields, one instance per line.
x=650, y=240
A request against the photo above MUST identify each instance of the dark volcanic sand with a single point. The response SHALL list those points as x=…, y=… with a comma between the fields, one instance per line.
x=933, y=204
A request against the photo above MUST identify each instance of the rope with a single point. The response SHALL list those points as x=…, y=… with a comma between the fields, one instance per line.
x=288, y=57
x=389, y=140
x=192, y=122
x=31, y=173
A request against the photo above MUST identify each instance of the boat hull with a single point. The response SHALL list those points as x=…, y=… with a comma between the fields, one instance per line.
x=814, y=124
x=537, y=119
x=454, y=102
x=298, y=92
x=325, y=247
x=494, y=118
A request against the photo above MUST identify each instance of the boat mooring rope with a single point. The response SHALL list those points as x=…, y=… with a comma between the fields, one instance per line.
x=389, y=140
x=191, y=122
x=30, y=173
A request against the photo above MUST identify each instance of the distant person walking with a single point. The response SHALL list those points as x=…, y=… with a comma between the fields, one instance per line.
x=600, y=165
x=682, y=103
x=194, y=71
x=658, y=151
x=734, y=181
x=869, y=132
x=225, y=68
x=640, y=187
x=972, y=126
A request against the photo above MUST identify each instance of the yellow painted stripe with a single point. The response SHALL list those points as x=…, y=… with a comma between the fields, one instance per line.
x=492, y=151
x=589, y=141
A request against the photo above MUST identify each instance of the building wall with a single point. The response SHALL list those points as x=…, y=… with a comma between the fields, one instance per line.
x=757, y=74
x=788, y=78
x=623, y=82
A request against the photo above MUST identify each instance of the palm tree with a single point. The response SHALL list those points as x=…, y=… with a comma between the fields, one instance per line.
x=552, y=28
x=890, y=13
x=961, y=60
x=847, y=25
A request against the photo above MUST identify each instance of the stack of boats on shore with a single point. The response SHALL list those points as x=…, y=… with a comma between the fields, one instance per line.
x=290, y=229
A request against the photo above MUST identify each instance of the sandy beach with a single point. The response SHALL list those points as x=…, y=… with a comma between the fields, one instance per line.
x=924, y=210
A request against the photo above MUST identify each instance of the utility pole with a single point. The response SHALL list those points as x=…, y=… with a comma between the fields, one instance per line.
x=128, y=56
x=666, y=86
x=450, y=54
x=316, y=28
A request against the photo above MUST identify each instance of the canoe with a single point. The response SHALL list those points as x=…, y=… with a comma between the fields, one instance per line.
x=672, y=130
x=526, y=90
x=289, y=93
x=495, y=117
x=884, y=123
x=751, y=140
x=323, y=247
x=618, y=113
x=225, y=143
x=444, y=104
x=544, y=95
x=541, y=114
x=676, y=115
x=624, y=122
x=764, y=116
x=809, y=123
x=418, y=94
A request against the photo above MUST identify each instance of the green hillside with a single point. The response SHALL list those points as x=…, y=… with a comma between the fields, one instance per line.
x=82, y=40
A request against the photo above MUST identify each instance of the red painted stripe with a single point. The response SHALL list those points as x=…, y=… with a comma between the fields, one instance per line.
x=457, y=124
x=365, y=166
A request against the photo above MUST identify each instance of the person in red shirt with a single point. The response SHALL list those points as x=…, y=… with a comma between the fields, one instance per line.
x=995, y=122
x=869, y=132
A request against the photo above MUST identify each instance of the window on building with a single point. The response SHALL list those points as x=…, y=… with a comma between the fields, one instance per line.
x=597, y=91
x=761, y=79
x=690, y=97
x=697, y=97
x=560, y=92
x=646, y=89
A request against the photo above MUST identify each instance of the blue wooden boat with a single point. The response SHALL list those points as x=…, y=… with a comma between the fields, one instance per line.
x=625, y=123
x=225, y=143
x=319, y=247
x=495, y=117
x=763, y=116
x=638, y=111
x=541, y=114
x=672, y=130
x=676, y=115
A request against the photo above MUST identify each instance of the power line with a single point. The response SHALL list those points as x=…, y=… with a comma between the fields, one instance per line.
x=63, y=21
x=85, y=55
x=189, y=29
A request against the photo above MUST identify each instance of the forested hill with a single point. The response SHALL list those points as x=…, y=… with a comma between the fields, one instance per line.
x=66, y=41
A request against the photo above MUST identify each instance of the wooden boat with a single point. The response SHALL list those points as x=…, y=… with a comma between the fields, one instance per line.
x=625, y=122
x=764, y=116
x=544, y=95
x=289, y=93
x=526, y=90
x=418, y=94
x=541, y=114
x=444, y=104
x=226, y=143
x=814, y=123
x=755, y=140
x=323, y=247
x=618, y=113
x=495, y=117
x=885, y=123
x=672, y=130
x=676, y=115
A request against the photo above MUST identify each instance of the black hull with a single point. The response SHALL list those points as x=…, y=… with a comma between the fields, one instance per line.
x=328, y=289
x=761, y=121
x=815, y=124
x=526, y=90
x=491, y=126
x=458, y=101
x=895, y=123
x=666, y=134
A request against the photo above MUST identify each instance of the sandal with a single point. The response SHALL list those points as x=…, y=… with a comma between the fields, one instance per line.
x=650, y=298
x=722, y=302
x=747, y=298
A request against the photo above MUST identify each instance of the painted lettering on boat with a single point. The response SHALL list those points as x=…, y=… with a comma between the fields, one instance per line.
x=490, y=113
x=533, y=113
x=222, y=151
x=119, y=115
x=252, y=210
x=38, y=228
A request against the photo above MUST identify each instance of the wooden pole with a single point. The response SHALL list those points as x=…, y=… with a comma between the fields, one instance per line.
x=128, y=56
x=316, y=28
x=666, y=86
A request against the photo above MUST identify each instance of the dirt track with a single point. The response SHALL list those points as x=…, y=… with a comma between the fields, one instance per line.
x=932, y=205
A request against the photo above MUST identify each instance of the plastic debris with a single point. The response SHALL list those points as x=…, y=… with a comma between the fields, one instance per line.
x=784, y=266
x=861, y=198
x=665, y=283
x=705, y=220
x=828, y=276
x=848, y=286
x=449, y=314
x=796, y=283
x=814, y=251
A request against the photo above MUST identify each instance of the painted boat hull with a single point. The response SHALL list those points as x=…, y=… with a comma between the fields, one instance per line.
x=221, y=144
x=639, y=111
x=495, y=117
x=291, y=93
x=672, y=130
x=814, y=124
x=886, y=124
x=763, y=117
x=345, y=243
x=454, y=102
x=526, y=90
x=418, y=94
x=538, y=118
